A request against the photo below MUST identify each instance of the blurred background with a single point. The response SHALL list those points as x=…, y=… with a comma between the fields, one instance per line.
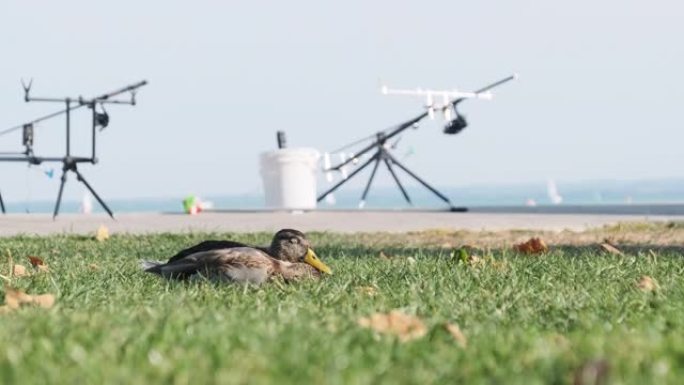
x=595, y=113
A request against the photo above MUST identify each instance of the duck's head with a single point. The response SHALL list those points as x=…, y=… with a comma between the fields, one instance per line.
x=292, y=246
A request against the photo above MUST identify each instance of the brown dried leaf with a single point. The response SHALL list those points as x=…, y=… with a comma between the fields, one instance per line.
x=35, y=261
x=405, y=327
x=647, y=283
x=611, y=249
x=102, y=234
x=532, y=246
x=458, y=335
x=19, y=271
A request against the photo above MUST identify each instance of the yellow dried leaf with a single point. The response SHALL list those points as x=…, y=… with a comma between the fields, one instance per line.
x=15, y=298
x=500, y=265
x=610, y=241
x=19, y=271
x=102, y=233
x=458, y=335
x=474, y=260
x=405, y=327
x=532, y=246
x=370, y=291
x=647, y=283
x=611, y=249
x=45, y=301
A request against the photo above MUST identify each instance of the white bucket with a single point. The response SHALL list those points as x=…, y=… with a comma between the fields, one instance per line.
x=289, y=177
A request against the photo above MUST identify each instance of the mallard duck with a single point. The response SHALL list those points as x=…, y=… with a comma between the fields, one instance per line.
x=239, y=263
x=285, y=246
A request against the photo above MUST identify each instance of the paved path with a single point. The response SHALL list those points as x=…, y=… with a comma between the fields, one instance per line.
x=343, y=221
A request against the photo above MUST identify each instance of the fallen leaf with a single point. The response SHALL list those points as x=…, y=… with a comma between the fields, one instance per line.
x=476, y=260
x=19, y=271
x=15, y=298
x=499, y=265
x=94, y=267
x=647, y=283
x=45, y=301
x=38, y=263
x=370, y=291
x=532, y=246
x=458, y=335
x=382, y=255
x=611, y=249
x=405, y=327
x=611, y=242
x=35, y=261
x=102, y=233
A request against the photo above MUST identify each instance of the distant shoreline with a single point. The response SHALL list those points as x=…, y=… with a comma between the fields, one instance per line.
x=646, y=209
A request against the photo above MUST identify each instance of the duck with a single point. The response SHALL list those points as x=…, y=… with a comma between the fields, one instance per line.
x=282, y=247
x=234, y=262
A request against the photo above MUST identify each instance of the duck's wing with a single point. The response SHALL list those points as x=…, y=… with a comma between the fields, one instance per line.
x=208, y=246
x=237, y=264
x=301, y=271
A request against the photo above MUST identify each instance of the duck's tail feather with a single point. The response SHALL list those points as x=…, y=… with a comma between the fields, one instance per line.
x=152, y=266
x=176, y=270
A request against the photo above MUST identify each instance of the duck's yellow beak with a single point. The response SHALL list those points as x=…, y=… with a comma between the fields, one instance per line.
x=313, y=260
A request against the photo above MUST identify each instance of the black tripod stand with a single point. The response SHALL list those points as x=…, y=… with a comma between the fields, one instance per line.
x=383, y=155
x=453, y=126
x=69, y=162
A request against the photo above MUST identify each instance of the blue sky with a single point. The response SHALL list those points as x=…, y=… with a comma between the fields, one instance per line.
x=599, y=95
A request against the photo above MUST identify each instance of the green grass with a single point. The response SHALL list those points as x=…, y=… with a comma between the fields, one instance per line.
x=528, y=319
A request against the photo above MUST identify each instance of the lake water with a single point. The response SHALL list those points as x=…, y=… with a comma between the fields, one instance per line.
x=594, y=193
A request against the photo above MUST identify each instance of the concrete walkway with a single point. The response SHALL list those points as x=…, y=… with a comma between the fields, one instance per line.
x=342, y=221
